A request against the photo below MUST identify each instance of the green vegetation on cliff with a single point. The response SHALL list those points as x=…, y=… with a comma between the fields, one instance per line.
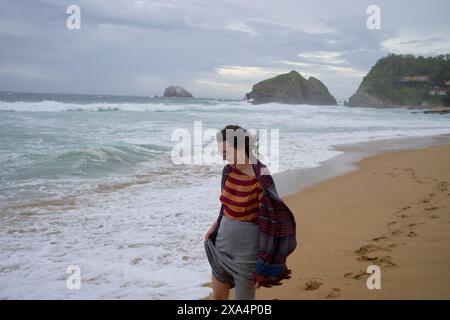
x=405, y=80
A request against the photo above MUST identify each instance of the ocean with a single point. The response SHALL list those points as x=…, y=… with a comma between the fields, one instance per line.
x=88, y=181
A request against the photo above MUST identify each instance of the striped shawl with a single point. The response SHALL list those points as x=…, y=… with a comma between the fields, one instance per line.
x=277, y=236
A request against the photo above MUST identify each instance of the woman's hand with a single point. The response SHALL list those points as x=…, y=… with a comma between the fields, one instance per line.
x=210, y=230
x=268, y=282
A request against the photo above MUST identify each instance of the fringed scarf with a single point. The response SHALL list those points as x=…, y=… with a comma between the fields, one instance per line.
x=277, y=236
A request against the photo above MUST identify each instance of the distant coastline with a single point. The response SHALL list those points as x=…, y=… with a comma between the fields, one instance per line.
x=395, y=81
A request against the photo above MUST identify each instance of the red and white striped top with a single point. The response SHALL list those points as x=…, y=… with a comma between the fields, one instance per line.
x=242, y=196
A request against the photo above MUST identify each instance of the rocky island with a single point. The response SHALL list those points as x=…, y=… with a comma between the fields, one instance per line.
x=406, y=81
x=177, y=92
x=291, y=88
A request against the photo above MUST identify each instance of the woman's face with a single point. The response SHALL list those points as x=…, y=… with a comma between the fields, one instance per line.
x=229, y=153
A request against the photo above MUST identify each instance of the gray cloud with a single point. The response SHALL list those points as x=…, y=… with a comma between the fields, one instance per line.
x=215, y=49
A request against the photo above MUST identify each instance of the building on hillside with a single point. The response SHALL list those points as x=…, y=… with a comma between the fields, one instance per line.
x=415, y=79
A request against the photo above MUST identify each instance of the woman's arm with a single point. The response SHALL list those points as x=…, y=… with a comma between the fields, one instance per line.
x=211, y=230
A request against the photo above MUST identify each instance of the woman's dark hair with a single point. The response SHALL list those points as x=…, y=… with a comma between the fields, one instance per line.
x=237, y=133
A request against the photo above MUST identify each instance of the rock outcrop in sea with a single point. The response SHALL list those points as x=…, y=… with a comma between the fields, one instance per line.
x=177, y=92
x=291, y=88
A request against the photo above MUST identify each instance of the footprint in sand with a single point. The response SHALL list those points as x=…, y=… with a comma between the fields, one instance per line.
x=442, y=186
x=381, y=261
x=335, y=293
x=396, y=232
x=413, y=175
x=403, y=209
x=367, y=258
x=366, y=249
x=385, y=261
x=414, y=224
x=380, y=238
x=392, y=223
x=356, y=275
x=312, y=284
x=434, y=216
x=412, y=234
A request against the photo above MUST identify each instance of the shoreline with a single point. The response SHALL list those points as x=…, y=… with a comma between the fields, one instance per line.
x=384, y=202
x=293, y=181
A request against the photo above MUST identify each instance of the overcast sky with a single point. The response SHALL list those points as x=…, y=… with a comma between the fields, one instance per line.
x=212, y=48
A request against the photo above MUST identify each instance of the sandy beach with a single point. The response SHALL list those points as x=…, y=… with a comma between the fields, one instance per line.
x=393, y=211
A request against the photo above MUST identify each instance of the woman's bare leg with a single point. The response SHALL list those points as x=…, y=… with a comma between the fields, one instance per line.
x=221, y=291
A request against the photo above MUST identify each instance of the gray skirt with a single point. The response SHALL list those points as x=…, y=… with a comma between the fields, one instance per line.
x=234, y=255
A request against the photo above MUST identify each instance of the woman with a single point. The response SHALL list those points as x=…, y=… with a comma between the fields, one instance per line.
x=248, y=244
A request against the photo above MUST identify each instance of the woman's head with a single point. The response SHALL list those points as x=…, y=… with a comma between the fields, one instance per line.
x=236, y=144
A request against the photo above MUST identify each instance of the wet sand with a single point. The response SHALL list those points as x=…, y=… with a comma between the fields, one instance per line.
x=393, y=211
